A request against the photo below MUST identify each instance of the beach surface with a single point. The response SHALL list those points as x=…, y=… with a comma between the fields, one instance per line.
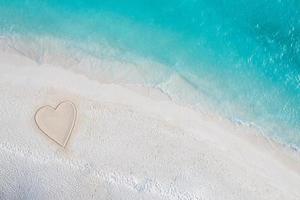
x=129, y=142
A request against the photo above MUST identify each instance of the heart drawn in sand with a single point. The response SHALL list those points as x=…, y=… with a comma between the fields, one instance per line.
x=57, y=123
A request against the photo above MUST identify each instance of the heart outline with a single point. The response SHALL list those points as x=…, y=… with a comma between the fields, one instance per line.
x=55, y=108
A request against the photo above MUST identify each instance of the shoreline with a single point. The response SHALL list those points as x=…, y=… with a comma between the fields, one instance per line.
x=155, y=92
x=230, y=158
x=108, y=72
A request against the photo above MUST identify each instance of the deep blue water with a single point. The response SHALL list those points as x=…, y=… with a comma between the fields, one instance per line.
x=240, y=56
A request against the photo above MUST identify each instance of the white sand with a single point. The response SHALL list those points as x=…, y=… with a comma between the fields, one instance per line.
x=128, y=144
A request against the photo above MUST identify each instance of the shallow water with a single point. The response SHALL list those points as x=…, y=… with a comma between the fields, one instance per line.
x=239, y=57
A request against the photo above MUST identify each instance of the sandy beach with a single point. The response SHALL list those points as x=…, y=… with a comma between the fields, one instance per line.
x=129, y=142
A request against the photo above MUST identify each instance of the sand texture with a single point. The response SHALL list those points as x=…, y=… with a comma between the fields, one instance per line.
x=127, y=145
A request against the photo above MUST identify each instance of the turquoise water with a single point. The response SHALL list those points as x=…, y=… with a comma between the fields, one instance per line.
x=242, y=57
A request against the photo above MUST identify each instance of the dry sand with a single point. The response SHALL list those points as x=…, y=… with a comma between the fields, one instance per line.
x=128, y=145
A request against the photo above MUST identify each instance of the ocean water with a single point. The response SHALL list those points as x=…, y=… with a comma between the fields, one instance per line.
x=239, y=58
